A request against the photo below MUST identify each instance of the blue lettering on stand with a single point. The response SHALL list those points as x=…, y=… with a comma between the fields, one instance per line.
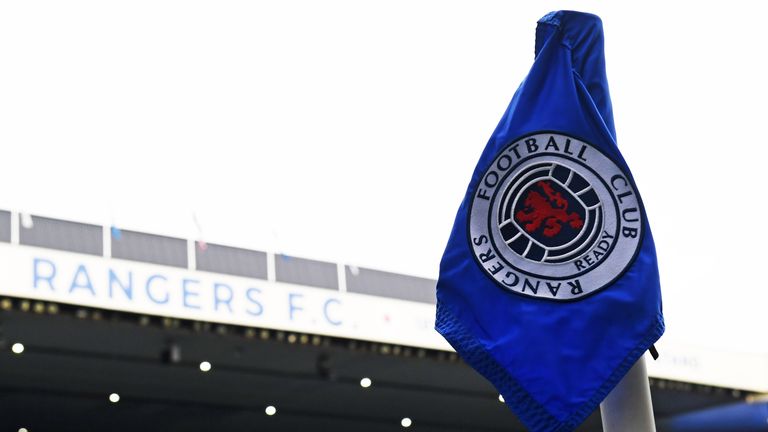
x=148, y=288
x=186, y=293
x=82, y=280
x=126, y=287
x=218, y=299
x=329, y=302
x=39, y=276
x=249, y=294
x=291, y=306
x=118, y=286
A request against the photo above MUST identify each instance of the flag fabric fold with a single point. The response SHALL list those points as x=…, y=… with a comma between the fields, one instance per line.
x=549, y=283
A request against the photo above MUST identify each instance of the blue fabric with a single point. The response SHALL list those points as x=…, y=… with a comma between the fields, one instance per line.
x=553, y=361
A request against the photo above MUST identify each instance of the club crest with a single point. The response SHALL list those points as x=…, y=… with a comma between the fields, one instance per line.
x=553, y=217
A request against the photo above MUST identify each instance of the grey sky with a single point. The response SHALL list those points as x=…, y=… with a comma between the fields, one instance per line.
x=347, y=130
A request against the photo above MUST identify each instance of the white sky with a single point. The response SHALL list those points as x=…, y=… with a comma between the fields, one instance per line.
x=347, y=130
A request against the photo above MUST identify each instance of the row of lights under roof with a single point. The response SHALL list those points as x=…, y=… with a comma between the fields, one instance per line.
x=205, y=366
x=40, y=307
x=115, y=398
x=366, y=382
x=270, y=411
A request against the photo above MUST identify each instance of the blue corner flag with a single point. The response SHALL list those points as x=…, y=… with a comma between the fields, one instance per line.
x=549, y=285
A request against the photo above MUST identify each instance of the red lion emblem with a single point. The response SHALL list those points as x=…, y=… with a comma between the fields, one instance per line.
x=551, y=211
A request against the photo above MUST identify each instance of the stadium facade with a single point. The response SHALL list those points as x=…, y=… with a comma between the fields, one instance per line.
x=105, y=328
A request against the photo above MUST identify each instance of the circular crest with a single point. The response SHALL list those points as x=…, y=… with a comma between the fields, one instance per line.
x=553, y=217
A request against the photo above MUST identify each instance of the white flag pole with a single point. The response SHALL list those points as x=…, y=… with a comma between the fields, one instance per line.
x=628, y=406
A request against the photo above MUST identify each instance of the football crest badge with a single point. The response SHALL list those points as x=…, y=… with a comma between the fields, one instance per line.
x=553, y=217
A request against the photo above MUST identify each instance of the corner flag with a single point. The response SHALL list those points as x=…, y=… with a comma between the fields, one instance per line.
x=549, y=284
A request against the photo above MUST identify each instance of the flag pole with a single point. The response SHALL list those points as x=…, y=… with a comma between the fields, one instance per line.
x=628, y=406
